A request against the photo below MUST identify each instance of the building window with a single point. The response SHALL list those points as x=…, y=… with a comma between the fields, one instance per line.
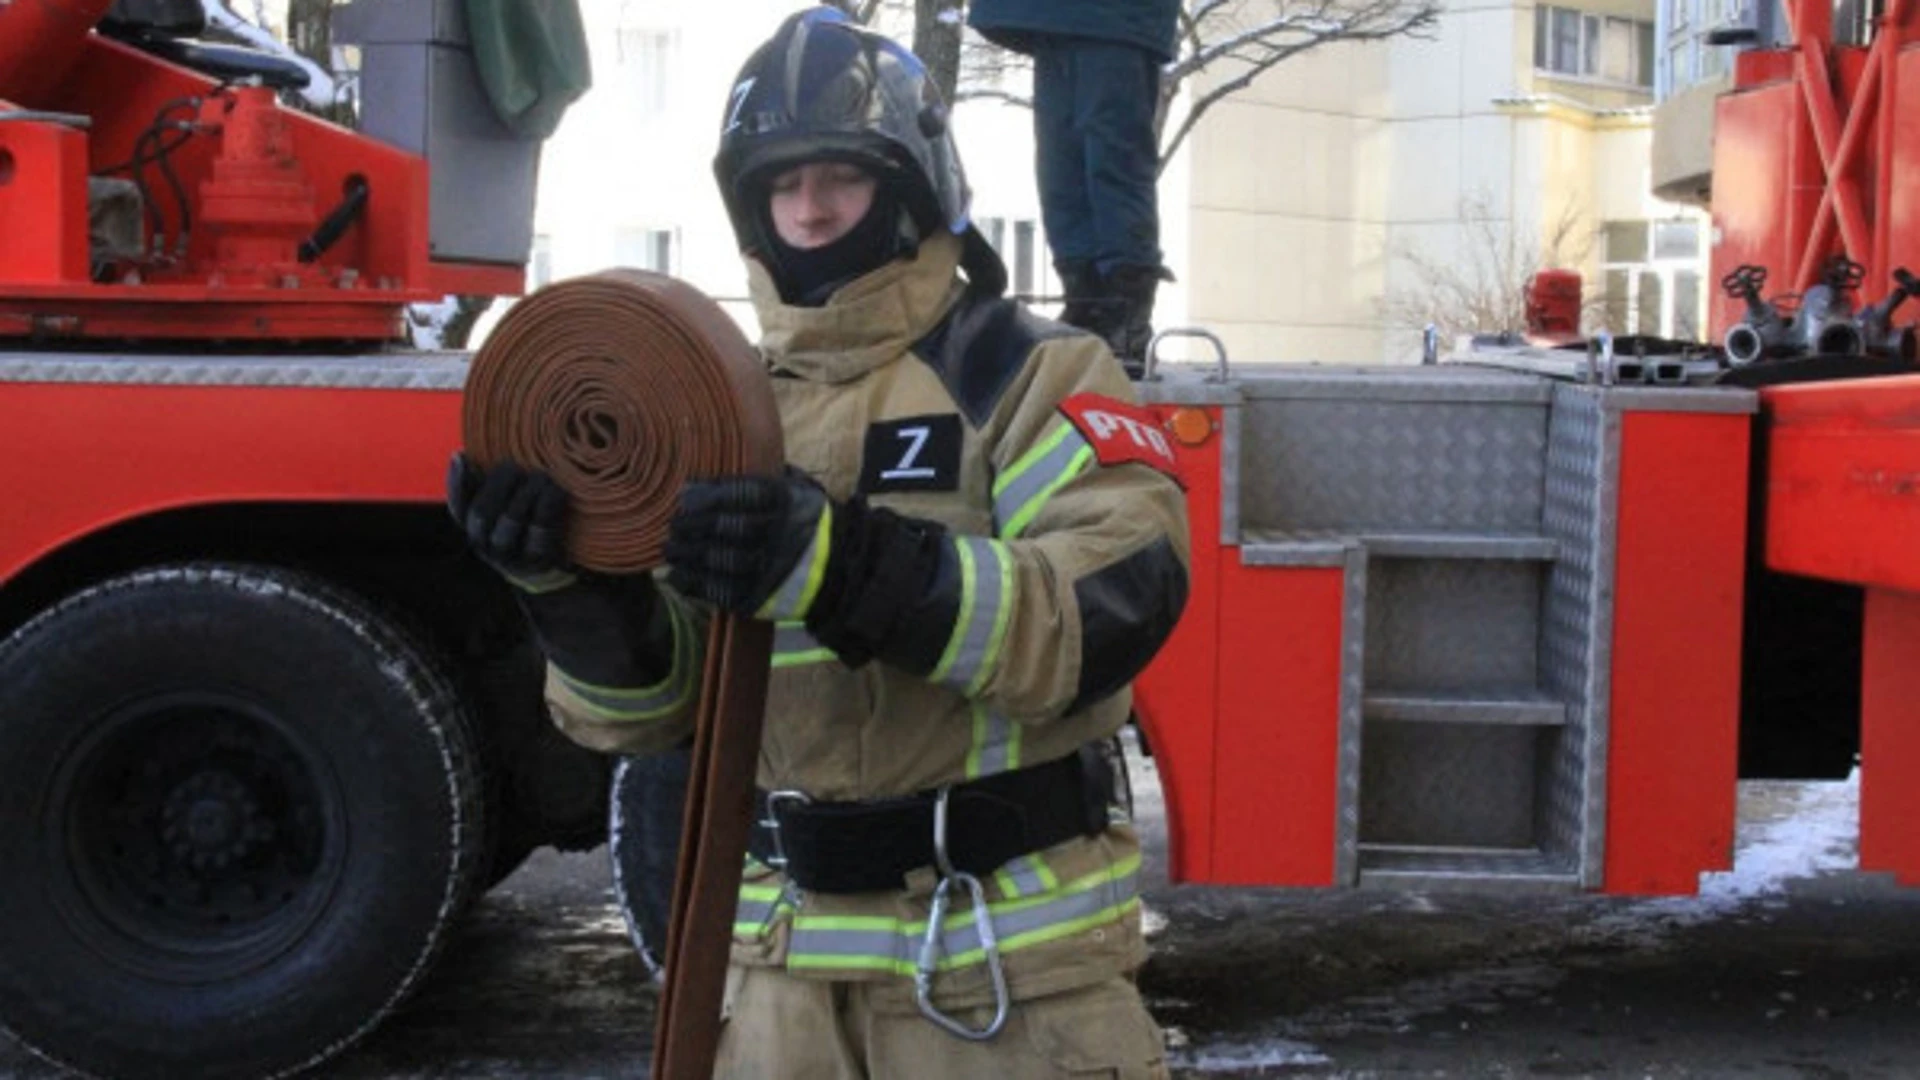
x=1686, y=58
x=540, y=261
x=1652, y=278
x=646, y=59
x=647, y=249
x=1022, y=246
x=1604, y=48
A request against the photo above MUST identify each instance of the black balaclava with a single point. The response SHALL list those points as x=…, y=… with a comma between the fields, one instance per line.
x=806, y=278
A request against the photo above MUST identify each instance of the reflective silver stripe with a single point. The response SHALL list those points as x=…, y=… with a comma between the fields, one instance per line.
x=757, y=906
x=996, y=744
x=663, y=699
x=794, y=646
x=753, y=915
x=1033, y=478
x=883, y=944
x=1024, y=876
x=795, y=594
x=986, y=587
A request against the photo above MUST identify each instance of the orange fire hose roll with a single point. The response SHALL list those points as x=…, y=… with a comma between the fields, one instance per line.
x=622, y=386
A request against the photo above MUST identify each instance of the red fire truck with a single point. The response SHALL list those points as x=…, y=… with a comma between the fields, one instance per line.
x=1515, y=620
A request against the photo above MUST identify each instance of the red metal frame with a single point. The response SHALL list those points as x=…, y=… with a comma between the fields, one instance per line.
x=1674, y=718
x=1890, y=736
x=1809, y=148
x=143, y=450
x=1174, y=699
x=1843, y=503
x=257, y=177
x=1242, y=708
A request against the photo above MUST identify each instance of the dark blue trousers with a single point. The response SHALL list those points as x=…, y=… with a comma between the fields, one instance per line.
x=1093, y=104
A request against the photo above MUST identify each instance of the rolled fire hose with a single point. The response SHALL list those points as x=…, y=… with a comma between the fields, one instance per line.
x=622, y=386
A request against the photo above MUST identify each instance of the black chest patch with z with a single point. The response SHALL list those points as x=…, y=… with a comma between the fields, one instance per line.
x=919, y=453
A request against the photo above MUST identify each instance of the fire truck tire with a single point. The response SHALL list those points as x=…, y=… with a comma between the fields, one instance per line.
x=643, y=837
x=245, y=808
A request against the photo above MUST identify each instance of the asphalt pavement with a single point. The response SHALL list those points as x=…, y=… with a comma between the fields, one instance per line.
x=1790, y=967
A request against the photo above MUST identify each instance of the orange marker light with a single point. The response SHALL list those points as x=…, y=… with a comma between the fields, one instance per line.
x=1190, y=427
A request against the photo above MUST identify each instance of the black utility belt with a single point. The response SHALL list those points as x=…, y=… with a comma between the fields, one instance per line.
x=872, y=845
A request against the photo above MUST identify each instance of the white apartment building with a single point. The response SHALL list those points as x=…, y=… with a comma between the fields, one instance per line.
x=1310, y=188
x=1282, y=218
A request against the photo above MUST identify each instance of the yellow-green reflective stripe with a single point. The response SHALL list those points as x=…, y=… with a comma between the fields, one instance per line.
x=1119, y=872
x=551, y=581
x=756, y=907
x=1047, y=880
x=802, y=583
x=990, y=658
x=1031, y=458
x=880, y=943
x=1024, y=876
x=663, y=698
x=793, y=646
x=1036, y=475
x=996, y=743
x=802, y=659
x=986, y=580
x=901, y=957
x=960, y=623
x=1031, y=509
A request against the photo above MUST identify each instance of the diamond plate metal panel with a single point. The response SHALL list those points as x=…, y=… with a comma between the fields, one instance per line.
x=1353, y=687
x=379, y=371
x=1176, y=386
x=1576, y=620
x=1391, y=466
x=1458, y=785
x=1459, y=869
x=1449, y=624
x=1390, y=382
x=1464, y=707
x=1287, y=548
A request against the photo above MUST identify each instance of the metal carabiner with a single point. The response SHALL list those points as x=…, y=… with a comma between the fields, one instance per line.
x=772, y=823
x=933, y=944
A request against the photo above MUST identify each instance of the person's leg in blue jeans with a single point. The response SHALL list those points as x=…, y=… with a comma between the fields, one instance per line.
x=1094, y=103
x=1118, y=89
x=1061, y=162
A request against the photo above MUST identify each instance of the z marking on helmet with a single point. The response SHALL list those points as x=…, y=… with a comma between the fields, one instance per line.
x=740, y=93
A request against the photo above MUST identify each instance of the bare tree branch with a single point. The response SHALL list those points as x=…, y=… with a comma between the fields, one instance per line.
x=1257, y=35
x=1482, y=287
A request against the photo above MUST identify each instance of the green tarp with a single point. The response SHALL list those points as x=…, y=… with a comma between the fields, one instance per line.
x=532, y=56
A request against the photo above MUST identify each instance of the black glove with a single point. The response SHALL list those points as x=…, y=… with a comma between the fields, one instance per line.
x=752, y=545
x=866, y=581
x=611, y=631
x=514, y=519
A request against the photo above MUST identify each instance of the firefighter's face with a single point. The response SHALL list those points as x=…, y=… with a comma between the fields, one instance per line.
x=819, y=202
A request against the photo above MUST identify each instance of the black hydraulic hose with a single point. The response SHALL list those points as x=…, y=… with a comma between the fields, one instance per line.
x=338, y=221
x=179, y=196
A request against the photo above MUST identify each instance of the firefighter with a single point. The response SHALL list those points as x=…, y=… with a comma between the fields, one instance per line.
x=979, y=541
x=1096, y=88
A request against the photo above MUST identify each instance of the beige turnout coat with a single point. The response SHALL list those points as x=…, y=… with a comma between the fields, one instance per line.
x=1023, y=439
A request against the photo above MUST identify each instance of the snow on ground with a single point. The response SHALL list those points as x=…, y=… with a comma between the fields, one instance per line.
x=1236, y=1057
x=1788, y=831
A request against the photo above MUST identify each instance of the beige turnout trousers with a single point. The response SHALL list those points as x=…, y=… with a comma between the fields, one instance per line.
x=779, y=1027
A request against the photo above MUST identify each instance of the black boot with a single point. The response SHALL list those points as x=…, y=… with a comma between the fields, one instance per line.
x=1082, y=288
x=1131, y=331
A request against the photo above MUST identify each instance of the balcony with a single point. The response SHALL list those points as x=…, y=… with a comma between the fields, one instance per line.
x=1683, y=142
